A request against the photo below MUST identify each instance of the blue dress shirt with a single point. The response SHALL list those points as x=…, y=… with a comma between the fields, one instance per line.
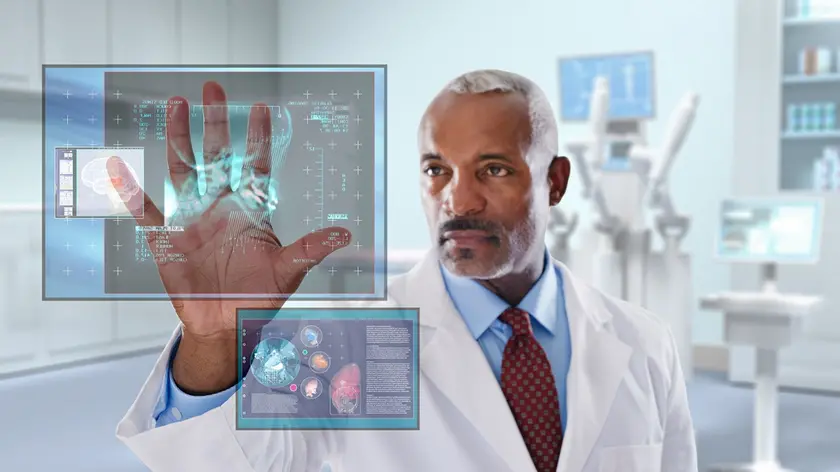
x=480, y=309
x=175, y=405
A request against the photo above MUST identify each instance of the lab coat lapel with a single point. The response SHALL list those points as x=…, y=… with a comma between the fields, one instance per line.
x=599, y=363
x=454, y=363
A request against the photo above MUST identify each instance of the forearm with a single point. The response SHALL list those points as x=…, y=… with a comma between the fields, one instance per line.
x=204, y=366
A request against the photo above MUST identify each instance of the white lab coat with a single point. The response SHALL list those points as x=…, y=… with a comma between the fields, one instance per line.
x=627, y=405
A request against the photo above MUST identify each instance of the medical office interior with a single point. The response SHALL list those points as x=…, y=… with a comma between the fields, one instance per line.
x=705, y=156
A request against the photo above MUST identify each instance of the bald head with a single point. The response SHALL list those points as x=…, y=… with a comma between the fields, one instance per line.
x=488, y=145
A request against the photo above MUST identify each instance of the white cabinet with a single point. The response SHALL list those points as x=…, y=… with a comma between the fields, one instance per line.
x=146, y=32
x=77, y=327
x=254, y=33
x=20, y=281
x=19, y=139
x=145, y=321
x=75, y=32
x=205, y=31
x=20, y=42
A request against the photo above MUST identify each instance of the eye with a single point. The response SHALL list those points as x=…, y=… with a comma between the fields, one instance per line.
x=497, y=171
x=433, y=171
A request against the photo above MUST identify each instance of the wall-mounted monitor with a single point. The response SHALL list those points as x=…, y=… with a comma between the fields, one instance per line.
x=631, y=84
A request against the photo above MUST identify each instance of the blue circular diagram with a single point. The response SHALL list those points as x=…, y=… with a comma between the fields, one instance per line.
x=275, y=362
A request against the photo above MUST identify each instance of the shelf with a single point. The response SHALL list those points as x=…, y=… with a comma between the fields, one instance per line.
x=811, y=135
x=811, y=79
x=810, y=21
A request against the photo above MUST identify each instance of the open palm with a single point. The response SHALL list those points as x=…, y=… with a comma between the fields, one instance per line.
x=224, y=243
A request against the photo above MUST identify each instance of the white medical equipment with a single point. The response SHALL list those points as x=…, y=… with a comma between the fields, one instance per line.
x=767, y=232
x=623, y=263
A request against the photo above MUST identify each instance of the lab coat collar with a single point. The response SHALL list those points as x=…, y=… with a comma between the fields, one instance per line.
x=479, y=307
x=454, y=363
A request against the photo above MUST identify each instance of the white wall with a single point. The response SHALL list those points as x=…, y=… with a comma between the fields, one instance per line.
x=427, y=43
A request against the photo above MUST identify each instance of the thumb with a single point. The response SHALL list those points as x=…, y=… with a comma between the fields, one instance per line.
x=311, y=249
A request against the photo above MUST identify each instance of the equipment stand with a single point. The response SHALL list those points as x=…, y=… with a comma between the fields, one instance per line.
x=766, y=408
x=768, y=321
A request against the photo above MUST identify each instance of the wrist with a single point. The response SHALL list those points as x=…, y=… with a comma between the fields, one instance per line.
x=215, y=339
x=205, y=364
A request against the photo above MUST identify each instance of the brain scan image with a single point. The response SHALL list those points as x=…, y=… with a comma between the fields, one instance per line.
x=95, y=178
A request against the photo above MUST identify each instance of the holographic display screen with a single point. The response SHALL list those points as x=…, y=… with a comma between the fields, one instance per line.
x=631, y=85
x=770, y=231
x=327, y=169
x=328, y=369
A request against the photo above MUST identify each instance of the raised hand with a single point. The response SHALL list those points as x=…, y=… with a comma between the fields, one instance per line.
x=227, y=245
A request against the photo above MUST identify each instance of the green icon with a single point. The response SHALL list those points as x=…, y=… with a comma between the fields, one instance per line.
x=305, y=352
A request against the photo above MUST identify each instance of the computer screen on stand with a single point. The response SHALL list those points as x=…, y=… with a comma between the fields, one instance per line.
x=770, y=230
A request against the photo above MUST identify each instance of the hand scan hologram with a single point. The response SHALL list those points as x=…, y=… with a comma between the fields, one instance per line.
x=95, y=176
x=241, y=180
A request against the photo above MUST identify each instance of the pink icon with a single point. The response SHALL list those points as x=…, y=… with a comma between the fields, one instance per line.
x=293, y=387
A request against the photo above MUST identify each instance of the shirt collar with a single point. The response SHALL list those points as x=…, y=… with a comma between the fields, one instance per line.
x=479, y=307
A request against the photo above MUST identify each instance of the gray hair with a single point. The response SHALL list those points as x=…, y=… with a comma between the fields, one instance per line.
x=544, y=137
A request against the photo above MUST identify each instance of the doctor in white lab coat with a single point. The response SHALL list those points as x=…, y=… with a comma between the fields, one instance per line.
x=490, y=172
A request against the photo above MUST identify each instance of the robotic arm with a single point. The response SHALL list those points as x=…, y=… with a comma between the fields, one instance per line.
x=591, y=154
x=680, y=124
x=599, y=104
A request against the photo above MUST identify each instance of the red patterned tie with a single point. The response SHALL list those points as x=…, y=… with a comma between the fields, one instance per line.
x=529, y=387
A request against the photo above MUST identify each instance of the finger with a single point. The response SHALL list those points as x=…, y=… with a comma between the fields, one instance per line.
x=216, y=122
x=179, y=150
x=142, y=207
x=296, y=259
x=258, y=148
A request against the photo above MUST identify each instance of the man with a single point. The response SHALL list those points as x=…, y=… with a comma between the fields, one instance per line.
x=501, y=322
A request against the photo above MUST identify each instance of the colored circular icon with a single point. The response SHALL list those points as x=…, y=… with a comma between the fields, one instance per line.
x=319, y=362
x=311, y=336
x=311, y=388
x=293, y=387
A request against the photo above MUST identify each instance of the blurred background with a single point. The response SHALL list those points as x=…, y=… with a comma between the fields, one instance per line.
x=70, y=370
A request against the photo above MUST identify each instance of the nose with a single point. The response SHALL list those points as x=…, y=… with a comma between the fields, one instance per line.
x=464, y=197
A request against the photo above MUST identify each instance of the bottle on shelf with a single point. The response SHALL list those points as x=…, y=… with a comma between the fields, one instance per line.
x=834, y=180
x=803, y=8
x=808, y=61
x=820, y=8
x=823, y=60
x=829, y=116
x=826, y=171
x=807, y=121
x=837, y=62
x=793, y=118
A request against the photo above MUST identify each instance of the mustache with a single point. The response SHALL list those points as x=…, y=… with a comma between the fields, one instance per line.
x=466, y=224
